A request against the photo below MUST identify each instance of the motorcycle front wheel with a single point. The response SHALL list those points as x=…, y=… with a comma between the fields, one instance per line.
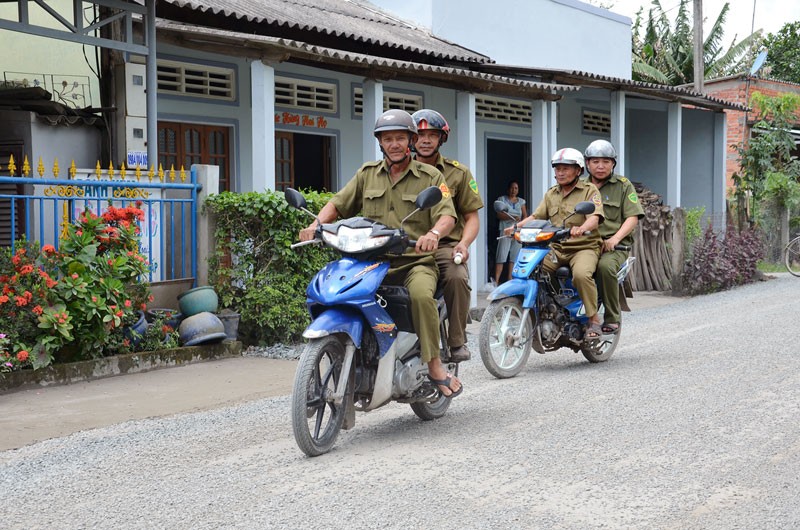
x=316, y=419
x=504, y=354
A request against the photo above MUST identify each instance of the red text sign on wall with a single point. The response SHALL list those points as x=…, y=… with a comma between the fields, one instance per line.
x=301, y=120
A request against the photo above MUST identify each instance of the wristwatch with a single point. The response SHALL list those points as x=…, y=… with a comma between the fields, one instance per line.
x=436, y=233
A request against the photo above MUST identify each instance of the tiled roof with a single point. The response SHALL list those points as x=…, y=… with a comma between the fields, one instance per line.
x=343, y=24
x=367, y=65
x=588, y=79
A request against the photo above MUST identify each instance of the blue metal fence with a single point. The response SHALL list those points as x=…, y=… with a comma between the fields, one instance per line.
x=38, y=208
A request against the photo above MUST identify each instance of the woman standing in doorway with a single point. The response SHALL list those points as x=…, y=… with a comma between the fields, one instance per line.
x=507, y=247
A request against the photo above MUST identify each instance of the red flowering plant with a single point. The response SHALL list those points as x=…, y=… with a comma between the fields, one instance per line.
x=23, y=300
x=101, y=287
x=74, y=303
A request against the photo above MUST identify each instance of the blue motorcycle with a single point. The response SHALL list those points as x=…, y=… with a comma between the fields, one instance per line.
x=530, y=311
x=362, y=350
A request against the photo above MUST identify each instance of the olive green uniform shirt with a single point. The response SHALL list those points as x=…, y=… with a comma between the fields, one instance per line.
x=556, y=207
x=620, y=201
x=372, y=193
x=464, y=190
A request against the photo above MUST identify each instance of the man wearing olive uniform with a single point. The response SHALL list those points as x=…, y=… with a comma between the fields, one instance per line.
x=385, y=191
x=433, y=131
x=623, y=211
x=580, y=251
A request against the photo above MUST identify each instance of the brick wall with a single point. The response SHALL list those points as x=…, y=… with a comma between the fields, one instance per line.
x=735, y=90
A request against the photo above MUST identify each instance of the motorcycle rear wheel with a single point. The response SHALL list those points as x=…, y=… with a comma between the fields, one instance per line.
x=433, y=411
x=502, y=355
x=316, y=419
x=601, y=350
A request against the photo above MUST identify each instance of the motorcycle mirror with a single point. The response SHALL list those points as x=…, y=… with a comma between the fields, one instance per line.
x=428, y=198
x=500, y=206
x=295, y=198
x=584, y=208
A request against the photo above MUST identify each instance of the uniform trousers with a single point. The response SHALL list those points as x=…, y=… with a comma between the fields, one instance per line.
x=583, y=263
x=456, y=288
x=607, y=269
x=419, y=275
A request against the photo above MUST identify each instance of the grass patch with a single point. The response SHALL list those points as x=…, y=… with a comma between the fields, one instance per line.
x=765, y=266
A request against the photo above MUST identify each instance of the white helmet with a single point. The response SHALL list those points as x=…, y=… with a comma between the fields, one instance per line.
x=568, y=156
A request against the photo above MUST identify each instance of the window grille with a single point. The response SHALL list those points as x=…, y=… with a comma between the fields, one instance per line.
x=410, y=103
x=503, y=109
x=596, y=122
x=196, y=80
x=305, y=94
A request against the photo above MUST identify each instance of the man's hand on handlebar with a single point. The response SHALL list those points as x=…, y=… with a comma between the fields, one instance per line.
x=427, y=243
x=307, y=233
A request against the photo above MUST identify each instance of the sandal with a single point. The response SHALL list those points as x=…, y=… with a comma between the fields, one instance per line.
x=593, y=332
x=446, y=383
x=610, y=328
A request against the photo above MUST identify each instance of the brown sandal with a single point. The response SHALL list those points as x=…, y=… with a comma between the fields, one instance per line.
x=593, y=332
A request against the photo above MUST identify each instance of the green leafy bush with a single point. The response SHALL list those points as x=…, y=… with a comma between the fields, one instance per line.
x=720, y=262
x=255, y=272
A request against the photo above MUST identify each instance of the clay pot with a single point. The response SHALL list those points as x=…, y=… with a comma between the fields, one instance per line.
x=198, y=300
x=201, y=328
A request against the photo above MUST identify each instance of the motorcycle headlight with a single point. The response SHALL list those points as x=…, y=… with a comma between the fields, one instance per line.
x=353, y=240
x=532, y=235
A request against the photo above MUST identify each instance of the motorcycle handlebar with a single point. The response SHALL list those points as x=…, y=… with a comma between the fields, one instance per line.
x=304, y=243
x=626, y=248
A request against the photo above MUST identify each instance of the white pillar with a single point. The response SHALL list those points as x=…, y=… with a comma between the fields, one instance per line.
x=720, y=178
x=540, y=152
x=208, y=178
x=674, y=149
x=262, y=84
x=467, y=154
x=373, y=108
x=618, y=128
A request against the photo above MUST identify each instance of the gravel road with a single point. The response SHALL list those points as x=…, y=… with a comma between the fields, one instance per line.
x=692, y=424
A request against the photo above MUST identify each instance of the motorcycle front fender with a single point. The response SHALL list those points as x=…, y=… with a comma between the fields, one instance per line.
x=527, y=289
x=337, y=320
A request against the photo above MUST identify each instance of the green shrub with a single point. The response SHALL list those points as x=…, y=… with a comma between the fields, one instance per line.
x=254, y=270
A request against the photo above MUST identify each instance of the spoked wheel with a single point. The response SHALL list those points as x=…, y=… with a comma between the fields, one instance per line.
x=316, y=419
x=433, y=410
x=504, y=353
x=791, y=256
x=600, y=350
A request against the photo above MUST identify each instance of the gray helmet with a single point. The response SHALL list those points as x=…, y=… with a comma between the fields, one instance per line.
x=600, y=149
x=395, y=120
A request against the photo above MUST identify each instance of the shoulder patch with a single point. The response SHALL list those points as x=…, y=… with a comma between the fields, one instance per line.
x=445, y=190
x=596, y=199
x=633, y=197
x=473, y=186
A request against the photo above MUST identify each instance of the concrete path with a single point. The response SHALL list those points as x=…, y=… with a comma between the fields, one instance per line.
x=50, y=412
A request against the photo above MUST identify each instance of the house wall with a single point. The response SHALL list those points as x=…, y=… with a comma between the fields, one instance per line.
x=36, y=57
x=536, y=33
x=697, y=161
x=80, y=143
